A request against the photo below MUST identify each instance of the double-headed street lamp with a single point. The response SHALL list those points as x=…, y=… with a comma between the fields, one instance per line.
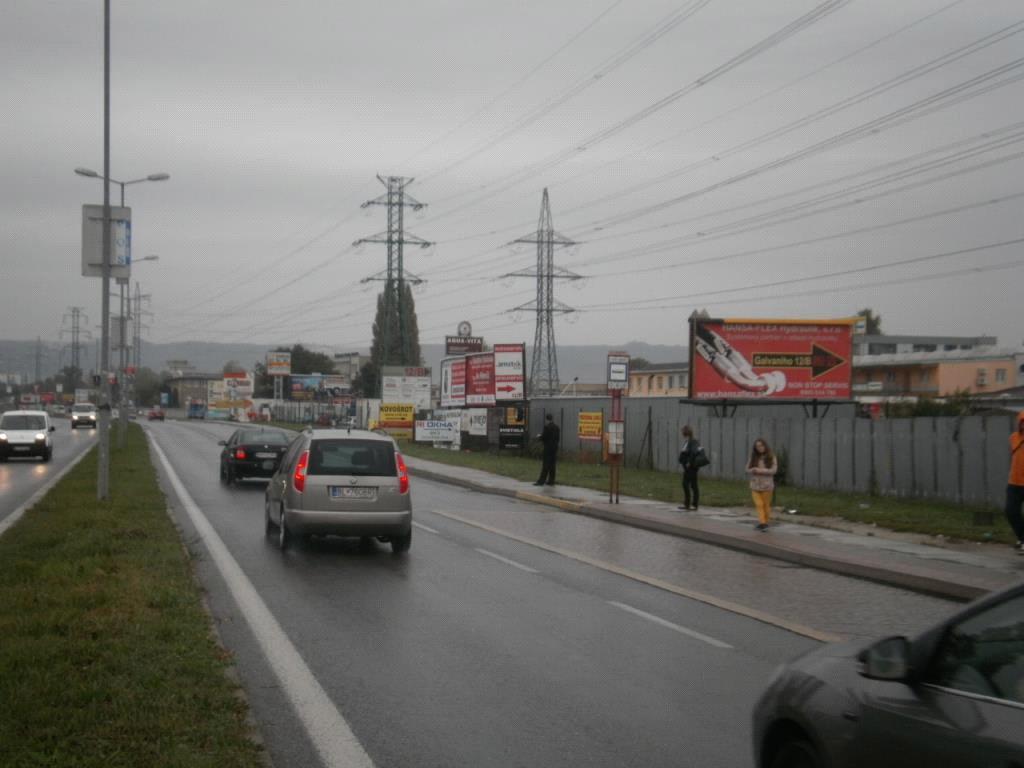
x=122, y=282
x=93, y=175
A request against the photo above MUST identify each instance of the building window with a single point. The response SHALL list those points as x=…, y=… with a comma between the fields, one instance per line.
x=661, y=382
x=925, y=377
x=1000, y=375
x=890, y=377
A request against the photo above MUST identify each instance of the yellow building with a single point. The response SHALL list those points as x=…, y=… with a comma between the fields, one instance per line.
x=660, y=380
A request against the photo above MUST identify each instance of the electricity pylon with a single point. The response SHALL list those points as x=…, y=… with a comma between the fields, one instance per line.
x=544, y=367
x=396, y=313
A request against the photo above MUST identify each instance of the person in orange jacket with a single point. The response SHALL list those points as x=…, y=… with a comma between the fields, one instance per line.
x=1015, y=486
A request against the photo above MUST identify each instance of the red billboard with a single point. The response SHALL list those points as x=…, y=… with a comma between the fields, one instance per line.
x=733, y=359
x=480, y=379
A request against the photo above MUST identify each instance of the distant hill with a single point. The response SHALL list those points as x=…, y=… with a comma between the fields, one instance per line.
x=584, y=361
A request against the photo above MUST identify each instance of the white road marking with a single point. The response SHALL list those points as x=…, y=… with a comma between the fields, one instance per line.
x=725, y=605
x=505, y=560
x=423, y=527
x=15, y=516
x=330, y=733
x=670, y=625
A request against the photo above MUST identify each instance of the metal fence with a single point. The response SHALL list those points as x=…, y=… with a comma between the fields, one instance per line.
x=964, y=460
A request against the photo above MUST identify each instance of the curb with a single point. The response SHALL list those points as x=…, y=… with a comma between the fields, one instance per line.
x=915, y=582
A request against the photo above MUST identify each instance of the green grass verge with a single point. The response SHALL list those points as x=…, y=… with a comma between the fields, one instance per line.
x=106, y=656
x=896, y=514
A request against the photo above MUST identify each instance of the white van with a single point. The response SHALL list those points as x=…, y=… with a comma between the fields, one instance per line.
x=26, y=433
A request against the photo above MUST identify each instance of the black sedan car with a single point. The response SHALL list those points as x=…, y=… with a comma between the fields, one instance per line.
x=252, y=452
x=950, y=697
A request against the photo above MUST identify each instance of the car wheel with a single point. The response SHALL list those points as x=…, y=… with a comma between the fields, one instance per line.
x=400, y=544
x=229, y=475
x=795, y=753
x=283, y=536
x=47, y=454
x=223, y=474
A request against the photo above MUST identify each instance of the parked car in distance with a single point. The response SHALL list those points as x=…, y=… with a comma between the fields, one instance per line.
x=156, y=413
x=952, y=696
x=83, y=415
x=344, y=483
x=26, y=433
x=252, y=452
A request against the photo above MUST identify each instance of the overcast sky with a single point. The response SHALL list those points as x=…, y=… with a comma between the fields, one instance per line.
x=734, y=155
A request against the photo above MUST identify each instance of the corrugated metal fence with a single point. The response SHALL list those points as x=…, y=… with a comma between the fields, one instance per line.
x=955, y=459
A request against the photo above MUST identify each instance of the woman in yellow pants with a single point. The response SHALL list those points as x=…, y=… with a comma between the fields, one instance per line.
x=762, y=468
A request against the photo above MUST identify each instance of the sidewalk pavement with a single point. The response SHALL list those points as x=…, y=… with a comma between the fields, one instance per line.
x=926, y=564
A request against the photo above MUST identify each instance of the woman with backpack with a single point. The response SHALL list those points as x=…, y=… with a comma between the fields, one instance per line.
x=691, y=458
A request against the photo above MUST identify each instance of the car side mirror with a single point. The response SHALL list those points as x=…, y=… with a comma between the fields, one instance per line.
x=53, y=428
x=888, y=659
x=222, y=442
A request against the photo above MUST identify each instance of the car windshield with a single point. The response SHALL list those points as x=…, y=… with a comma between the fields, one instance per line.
x=22, y=421
x=84, y=408
x=266, y=437
x=351, y=457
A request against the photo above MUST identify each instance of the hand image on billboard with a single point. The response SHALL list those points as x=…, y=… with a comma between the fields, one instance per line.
x=733, y=366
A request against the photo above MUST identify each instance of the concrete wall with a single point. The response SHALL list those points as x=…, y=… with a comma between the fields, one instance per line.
x=955, y=459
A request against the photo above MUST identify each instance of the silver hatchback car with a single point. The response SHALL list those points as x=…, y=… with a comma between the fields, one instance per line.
x=341, y=482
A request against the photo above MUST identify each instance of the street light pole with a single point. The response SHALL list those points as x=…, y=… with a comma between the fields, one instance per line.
x=103, y=478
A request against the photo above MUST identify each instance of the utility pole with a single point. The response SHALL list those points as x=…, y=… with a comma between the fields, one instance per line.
x=39, y=359
x=544, y=367
x=396, y=313
x=76, y=317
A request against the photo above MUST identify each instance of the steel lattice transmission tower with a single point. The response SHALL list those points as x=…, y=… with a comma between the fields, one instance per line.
x=544, y=368
x=76, y=317
x=396, y=313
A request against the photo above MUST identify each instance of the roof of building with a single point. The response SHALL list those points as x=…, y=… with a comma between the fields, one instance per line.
x=661, y=368
x=938, y=356
x=879, y=338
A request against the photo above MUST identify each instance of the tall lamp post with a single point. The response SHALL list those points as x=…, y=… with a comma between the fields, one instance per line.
x=122, y=282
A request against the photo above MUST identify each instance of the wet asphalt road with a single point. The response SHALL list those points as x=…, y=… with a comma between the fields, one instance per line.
x=20, y=478
x=477, y=649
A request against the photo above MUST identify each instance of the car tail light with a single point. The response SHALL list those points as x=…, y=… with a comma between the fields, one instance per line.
x=403, y=474
x=240, y=453
x=299, y=479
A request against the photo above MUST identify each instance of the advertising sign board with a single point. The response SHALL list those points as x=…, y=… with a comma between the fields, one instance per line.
x=463, y=345
x=304, y=387
x=120, y=241
x=279, y=363
x=590, y=425
x=238, y=389
x=477, y=422
x=480, y=379
x=406, y=384
x=397, y=419
x=509, y=372
x=435, y=431
x=771, y=359
x=453, y=382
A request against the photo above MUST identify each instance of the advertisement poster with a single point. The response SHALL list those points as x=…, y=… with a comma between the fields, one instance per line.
x=238, y=390
x=436, y=431
x=304, y=387
x=509, y=372
x=463, y=345
x=477, y=422
x=406, y=385
x=279, y=363
x=771, y=359
x=590, y=425
x=397, y=419
x=480, y=379
x=453, y=382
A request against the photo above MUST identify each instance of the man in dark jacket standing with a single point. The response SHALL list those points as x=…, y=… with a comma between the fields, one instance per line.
x=550, y=437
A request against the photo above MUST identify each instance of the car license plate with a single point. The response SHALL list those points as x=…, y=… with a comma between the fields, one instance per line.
x=345, y=492
x=268, y=465
x=266, y=455
x=21, y=447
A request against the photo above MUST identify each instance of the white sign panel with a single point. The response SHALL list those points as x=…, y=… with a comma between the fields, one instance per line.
x=435, y=431
x=477, y=421
x=453, y=382
x=509, y=373
x=401, y=389
x=120, y=241
x=279, y=363
x=618, y=370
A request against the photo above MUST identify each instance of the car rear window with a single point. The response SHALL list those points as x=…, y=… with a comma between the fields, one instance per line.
x=12, y=421
x=267, y=438
x=351, y=457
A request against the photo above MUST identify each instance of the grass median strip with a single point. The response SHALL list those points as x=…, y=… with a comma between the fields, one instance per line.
x=106, y=656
